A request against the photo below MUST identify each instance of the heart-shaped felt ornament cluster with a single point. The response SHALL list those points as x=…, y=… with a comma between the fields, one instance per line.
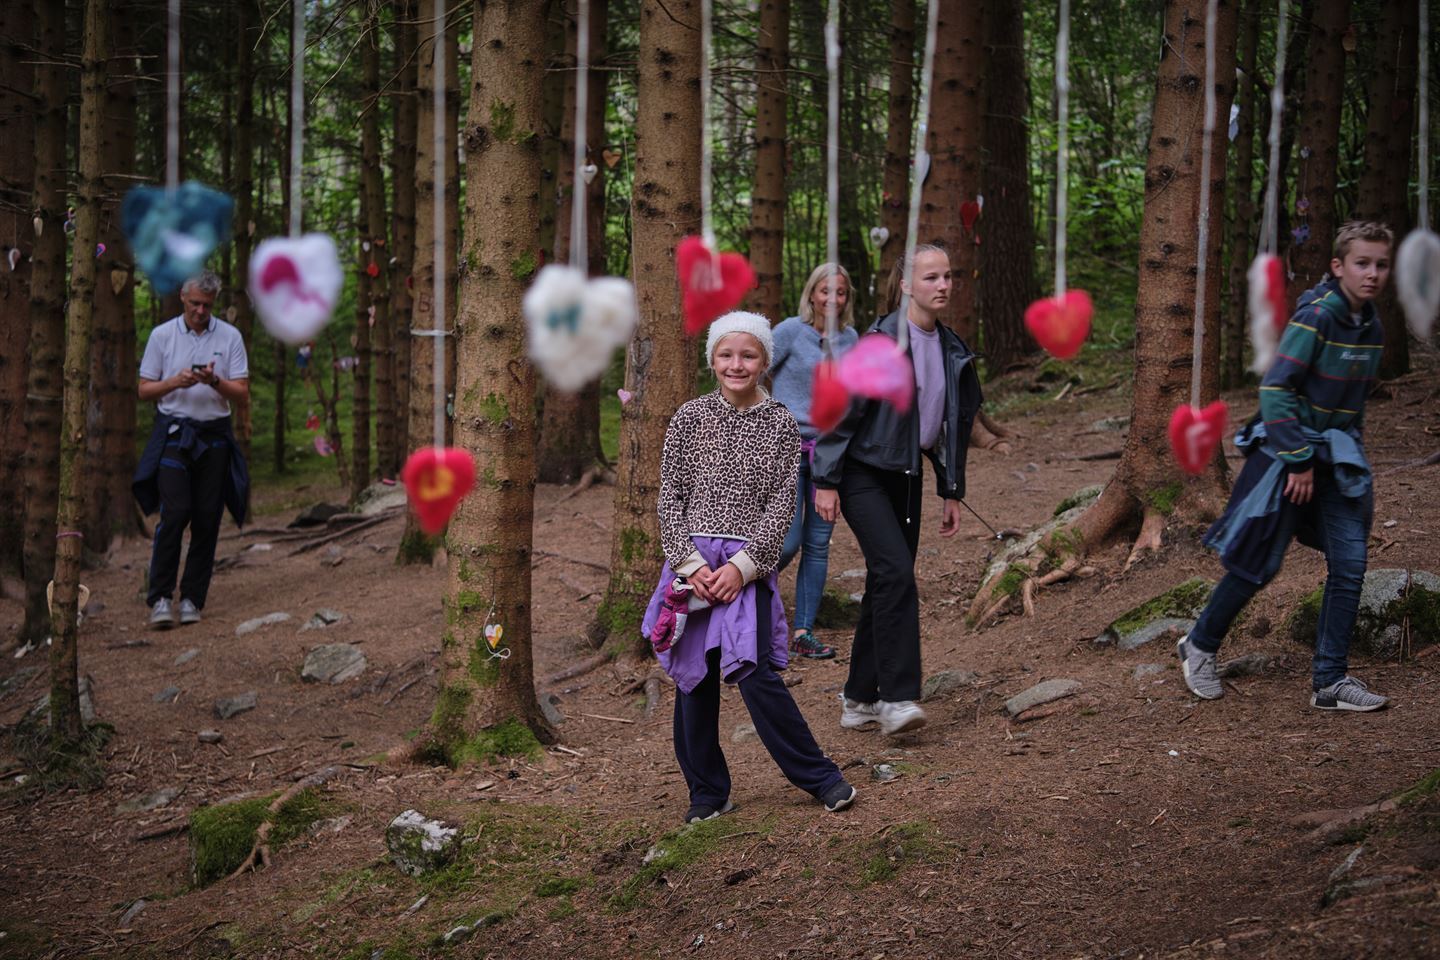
x=1060, y=325
x=574, y=324
x=1268, y=314
x=711, y=283
x=436, y=480
x=172, y=233
x=294, y=284
x=1195, y=433
x=877, y=368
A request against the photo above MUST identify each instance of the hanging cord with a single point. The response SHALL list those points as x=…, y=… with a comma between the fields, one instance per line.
x=1062, y=144
x=1201, y=260
x=1270, y=229
x=1424, y=115
x=438, y=271
x=707, y=222
x=919, y=166
x=297, y=115
x=578, y=247
x=832, y=173
x=172, y=100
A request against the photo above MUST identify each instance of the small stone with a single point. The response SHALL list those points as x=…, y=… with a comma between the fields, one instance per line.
x=187, y=656
x=128, y=917
x=209, y=736
x=333, y=663
x=150, y=801
x=884, y=772
x=17, y=680
x=1249, y=665
x=334, y=556
x=316, y=515
x=1110, y=425
x=332, y=825
x=1168, y=628
x=1261, y=628
x=550, y=707
x=946, y=682
x=419, y=844
x=168, y=695
x=323, y=618
x=250, y=626
x=743, y=732
x=1143, y=670
x=231, y=706
x=459, y=934
x=1041, y=693
x=856, y=573
x=857, y=597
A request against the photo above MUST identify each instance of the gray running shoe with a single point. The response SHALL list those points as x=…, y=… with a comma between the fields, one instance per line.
x=162, y=615
x=898, y=716
x=1199, y=670
x=1347, y=693
x=189, y=613
x=855, y=714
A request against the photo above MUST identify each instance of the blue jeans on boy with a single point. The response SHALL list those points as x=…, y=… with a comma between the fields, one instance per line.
x=809, y=536
x=1343, y=525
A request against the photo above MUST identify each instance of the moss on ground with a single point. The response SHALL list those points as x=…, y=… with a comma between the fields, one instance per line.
x=1083, y=495
x=884, y=857
x=837, y=611
x=1424, y=788
x=679, y=849
x=1185, y=600
x=222, y=836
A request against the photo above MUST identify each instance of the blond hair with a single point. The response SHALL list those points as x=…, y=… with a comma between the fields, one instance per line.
x=807, y=312
x=1369, y=231
x=897, y=273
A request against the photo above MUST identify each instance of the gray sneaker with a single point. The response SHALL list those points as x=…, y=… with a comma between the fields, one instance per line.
x=162, y=615
x=1347, y=693
x=856, y=715
x=189, y=613
x=1199, y=670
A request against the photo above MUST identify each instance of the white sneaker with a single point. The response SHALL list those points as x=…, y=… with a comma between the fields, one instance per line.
x=899, y=716
x=189, y=613
x=162, y=615
x=855, y=715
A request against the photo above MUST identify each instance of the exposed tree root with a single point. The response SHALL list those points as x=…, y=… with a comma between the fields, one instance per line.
x=260, y=853
x=577, y=668
x=600, y=473
x=1149, y=539
x=989, y=435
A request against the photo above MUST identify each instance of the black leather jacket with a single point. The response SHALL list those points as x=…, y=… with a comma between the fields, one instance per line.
x=875, y=434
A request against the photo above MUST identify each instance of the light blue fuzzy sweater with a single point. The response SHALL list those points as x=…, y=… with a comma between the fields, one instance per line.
x=792, y=369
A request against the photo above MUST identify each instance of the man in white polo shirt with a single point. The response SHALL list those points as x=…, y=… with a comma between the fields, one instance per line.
x=195, y=366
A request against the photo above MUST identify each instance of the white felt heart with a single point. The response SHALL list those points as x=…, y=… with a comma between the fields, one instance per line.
x=588, y=171
x=294, y=283
x=574, y=324
x=878, y=235
x=922, y=165
x=1417, y=280
x=14, y=257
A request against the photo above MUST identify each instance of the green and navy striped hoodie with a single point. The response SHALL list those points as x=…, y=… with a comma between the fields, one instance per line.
x=1324, y=368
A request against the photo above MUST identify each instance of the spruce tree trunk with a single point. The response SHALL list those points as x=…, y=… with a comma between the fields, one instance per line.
x=899, y=139
x=404, y=32
x=767, y=198
x=490, y=536
x=659, y=371
x=1318, y=139
x=44, y=384
x=1007, y=255
x=856, y=181
x=373, y=315
x=248, y=18
x=65, y=723
x=1242, y=228
x=552, y=108
x=452, y=208
x=957, y=116
x=17, y=181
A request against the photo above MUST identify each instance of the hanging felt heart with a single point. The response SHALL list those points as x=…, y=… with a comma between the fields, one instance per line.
x=294, y=283
x=14, y=257
x=1417, y=280
x=922, y=165
x=172, y=233
x=828, y=397
x=312, y=421
x=711, y=282
x=574, y=324
x=1268, y=315
x=610, y=157
x=969, y=213
x=588, y=172
x=118, y=279
x=372, y=269
x=878, y=236
x=436, y=480
x=1061, y=326
x=625, y=396
x=322, y=445
x=1195, y=433
x=876, y=367
x=99, y=250
x=39, y=224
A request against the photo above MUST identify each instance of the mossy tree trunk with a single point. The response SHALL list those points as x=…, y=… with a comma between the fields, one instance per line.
x=767, y=200
x=899, y=136
x=660, y=360
x=402, y=225
x=372, y=303
x=482, y=689
x=1242, y=227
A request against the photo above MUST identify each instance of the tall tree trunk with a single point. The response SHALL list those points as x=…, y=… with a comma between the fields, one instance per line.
x=1319, y=138
x=1007, y=255
x=666, y=207
x=452, y=210
x=767, y=198
x=404, y=32
x=490, y=536
x=1384, y=188
x=899, y=137
x=957, y=114
x=17, y=180
x=857, y=180
x=65, y=723
x=1242, y=228
x=247, y=20
x=374, y=312
x=570, y=422
x=552, y=110
x=43, y=395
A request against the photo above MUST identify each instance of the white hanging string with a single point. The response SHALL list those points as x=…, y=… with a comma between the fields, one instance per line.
x=832, y=172
x=1062, y=144
x=1201, y=258
x=1424, y=115
x=438, y=271
x=707, y=224
x=582, y=99
x=1270, y=228
x=297, y=114
x=172, y=100
x=919, y=165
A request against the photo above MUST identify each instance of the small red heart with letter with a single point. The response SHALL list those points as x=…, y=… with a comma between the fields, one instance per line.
x=1195, y=433
x=437, y=479
x=711, y=282
x=969, y=213
x=1060, y=325
x=828, y=397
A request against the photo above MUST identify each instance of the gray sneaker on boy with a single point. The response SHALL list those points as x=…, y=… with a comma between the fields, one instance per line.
x=1199, y=670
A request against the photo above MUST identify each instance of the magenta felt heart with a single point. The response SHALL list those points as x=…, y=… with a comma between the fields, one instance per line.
x=711, y=282
x=879, y=369
x=1195, y=433
x=1061, y=325
x=828, y=397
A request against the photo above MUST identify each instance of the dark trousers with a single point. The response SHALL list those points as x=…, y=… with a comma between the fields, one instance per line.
x=883, y=510
x=778, y=721
x=192, y=487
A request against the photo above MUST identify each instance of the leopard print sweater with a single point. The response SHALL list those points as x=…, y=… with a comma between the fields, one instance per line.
x=728, y=472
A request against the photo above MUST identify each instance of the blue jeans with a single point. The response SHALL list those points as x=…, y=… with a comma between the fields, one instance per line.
x=1343, y=524
x=812, y=534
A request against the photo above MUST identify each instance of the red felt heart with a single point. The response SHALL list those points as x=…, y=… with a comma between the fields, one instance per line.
x=1061, y=325
x=711, y=282
x=969, y=213
x=828, y=397
x=1275, y=292
x=1195, y=433
x=437, y=479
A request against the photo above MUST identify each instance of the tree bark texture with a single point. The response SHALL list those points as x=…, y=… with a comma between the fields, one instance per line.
x=957, y=113
x=1242, y=228
x=767, y=198
x=659, y=363
x=402, y=219
x=377, y=303
x=899, y=140
x=1007, y=256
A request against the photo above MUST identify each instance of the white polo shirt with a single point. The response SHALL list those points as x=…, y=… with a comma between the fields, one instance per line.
x=174, y=347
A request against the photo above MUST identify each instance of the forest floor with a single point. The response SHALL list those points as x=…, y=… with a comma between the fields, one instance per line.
x=1130, y=821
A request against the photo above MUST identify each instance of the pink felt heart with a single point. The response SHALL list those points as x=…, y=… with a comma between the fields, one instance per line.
x=624, y=395
x=711, y=282
x=436, y=480
x=879, y=369
x=828, y=397
x=322, y=445
x=1195, y=433
x=969, y=213
x=1268, y=314
x=1061, y=325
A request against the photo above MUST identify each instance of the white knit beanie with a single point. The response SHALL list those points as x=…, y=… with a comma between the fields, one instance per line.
x=739, y=321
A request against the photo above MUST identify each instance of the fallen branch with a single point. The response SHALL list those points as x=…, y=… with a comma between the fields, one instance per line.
x=260, y=853
x=601, y=716
x=577, y=668
x=1434, y=458
x=652, y=695
x=353, y=528
x=561, y=556
x=169, y=829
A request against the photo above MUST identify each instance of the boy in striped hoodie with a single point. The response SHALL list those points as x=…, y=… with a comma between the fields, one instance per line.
x=1305, y=473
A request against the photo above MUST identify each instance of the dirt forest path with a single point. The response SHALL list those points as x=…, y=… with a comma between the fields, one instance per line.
x=1130, y=821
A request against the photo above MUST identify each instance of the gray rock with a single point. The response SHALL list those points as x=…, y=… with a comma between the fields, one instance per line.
x=458, y=934
x=1167, y=628
x=1249, y=665
x=17, y=680
x=187, y=656
x=856, y=574
x=379, y=497
x=1111, y=425
x=1143, y=670
x=332, y=825
x=231, y=706
x=743, y=732
x=209, y=736
x=316, y=515
x=550, y=706
x=41, y=711
x=323, y=618
x=884, y=772
x=1042, y=693
x=128, y=917
x=946, y=682
x=333, y=663
x=1168, y=614
x=419, y=844
x=150, y=801
x=168, y=695
x=1391, y=601
x=250, y=626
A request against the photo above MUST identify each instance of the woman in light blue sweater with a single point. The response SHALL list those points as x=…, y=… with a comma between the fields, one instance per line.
x=799, y=346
